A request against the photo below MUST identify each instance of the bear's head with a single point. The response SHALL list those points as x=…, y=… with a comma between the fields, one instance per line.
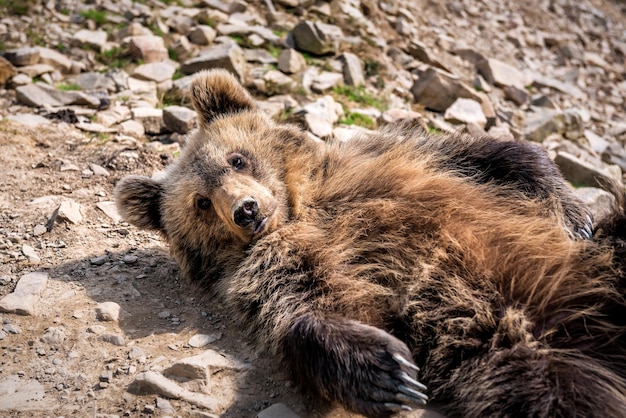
x=228, y=188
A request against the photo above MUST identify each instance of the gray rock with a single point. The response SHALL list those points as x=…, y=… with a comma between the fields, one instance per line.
x=54, y=336
x=581, y=173
x=94, y=81
x=69, y=210
x=352, y=69
x=320, y=116
x=316, y=38
x=179, y=119
x=151, y=118
x=229, y=57
x=541, y=81
x=55, y=59
x=130, y=259
x=98, y=261
x=259, y=56
x=466, y=111
x=144, y=90
x=98, y=170
x=113, y=339
x=148, y=48
x=420, y=52
x=108, y=311
x=11, y=329
x=29, y=119
x=37, y=70
x=501, y=74
x=202, y=35
x=110, y=209
x=396, y=114
x=541, y=124
x=26, y=294
x=291, y=61
x=96, y=39
x=278, y=410
x=437, y=90
x=165, y=407
x=516, y=95
x=155, y=71
x=599, y=201
x=200, y=340
x=201, y=366
x=41, y=94
x=22, y=56
x=325, y=81
x=30, y=254
x=7, y=70
x=39, y=230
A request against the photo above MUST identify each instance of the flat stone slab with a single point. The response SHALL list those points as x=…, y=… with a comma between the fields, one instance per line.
x=26, y=294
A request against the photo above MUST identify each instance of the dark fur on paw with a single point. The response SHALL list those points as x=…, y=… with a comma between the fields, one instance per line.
x=366, y=369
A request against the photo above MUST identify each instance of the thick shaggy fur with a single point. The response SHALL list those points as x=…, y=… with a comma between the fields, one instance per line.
x=463, y=255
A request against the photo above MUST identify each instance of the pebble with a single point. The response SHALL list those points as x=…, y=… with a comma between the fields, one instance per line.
x=39, y=230
x=278, y=410
x=30, y=254
x=108, y=311
x=113, y=339
x=11, y=329
x=200, y=340
x=26, y=294
x=130, y=259
x=54, y=336
x=100, y=260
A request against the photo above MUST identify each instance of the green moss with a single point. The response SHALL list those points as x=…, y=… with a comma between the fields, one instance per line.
x=273, y=50
x=358, y=119
x=360, y=95
x=114, y=58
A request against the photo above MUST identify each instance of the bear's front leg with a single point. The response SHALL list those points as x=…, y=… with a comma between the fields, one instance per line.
x=362, y=367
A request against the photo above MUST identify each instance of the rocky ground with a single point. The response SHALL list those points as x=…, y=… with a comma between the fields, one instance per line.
x=95, y=319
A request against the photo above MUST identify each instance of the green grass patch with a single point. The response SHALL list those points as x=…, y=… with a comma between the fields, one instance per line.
x=360, y=95
x=67, y=87
x=16, y=7
x=98, y=16
x=358, y=119
x=273, y=50
x=114, y=58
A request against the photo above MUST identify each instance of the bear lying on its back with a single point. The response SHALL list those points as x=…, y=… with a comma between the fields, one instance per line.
x=352, y=262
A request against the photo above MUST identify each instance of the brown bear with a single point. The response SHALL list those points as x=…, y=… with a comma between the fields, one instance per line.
x=354, y=262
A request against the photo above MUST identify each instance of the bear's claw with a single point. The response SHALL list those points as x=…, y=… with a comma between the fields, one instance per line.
x=394, y=407
x=404, y=362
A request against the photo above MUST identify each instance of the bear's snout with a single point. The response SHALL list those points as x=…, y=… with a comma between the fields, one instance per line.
x=245, y=212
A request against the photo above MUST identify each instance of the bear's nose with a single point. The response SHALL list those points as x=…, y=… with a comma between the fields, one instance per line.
x=246, y=212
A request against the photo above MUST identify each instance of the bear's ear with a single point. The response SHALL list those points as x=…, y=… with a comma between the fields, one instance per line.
x=138, y=200
x=217, y=92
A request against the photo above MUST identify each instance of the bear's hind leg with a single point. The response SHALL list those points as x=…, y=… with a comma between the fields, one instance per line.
x=362, y=367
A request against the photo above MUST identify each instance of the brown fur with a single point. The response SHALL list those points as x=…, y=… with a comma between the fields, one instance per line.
x=396, y=243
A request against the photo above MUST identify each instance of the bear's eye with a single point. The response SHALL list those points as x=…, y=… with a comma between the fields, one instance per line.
x=237, y=162
x=202, y=203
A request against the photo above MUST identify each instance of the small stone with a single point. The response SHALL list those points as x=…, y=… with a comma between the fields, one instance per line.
x=581, y=173
x=69, y=210
x=501, y=74
x=200, y=340
x=352, y=69
x=39, y=230
x=96, y=329
x=110, y=209
x=227, y=56
x=179, y=119
x=98, y=170
x=27, y=292
x=54, y=336
x=165, y=406
x=29, y=252
x=96, y=39
x=11, y=329
x=148, y=48
x=130, y=259
x=291, y=61
x=164, y=314
x=98, y=261
x=137, y=353
x=113, y=339
x=22, y=56
x=466, y=111
x=316, y=37
x=278, y=410
x=108, y=311
x=151, y=118
x=202, y=35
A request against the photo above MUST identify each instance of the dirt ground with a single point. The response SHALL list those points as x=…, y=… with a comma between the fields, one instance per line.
x=84, y=375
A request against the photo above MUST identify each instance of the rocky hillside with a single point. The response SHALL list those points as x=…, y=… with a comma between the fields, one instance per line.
x=95, y=320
